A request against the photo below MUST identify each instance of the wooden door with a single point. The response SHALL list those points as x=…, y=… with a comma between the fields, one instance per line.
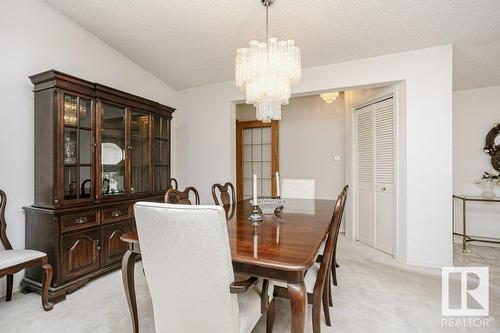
x=79, y=253
x=257, y=152
x=112, y=247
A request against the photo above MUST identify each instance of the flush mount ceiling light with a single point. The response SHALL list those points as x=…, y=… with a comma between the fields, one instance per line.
x=265, y=72
x=329, y=98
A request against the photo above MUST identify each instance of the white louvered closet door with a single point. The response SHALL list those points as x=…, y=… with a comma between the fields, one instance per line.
x=376, y=147
x=385, y=156
x=365, y=189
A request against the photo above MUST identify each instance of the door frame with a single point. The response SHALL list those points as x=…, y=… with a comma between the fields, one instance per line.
x=240, y=125
x=390, y=92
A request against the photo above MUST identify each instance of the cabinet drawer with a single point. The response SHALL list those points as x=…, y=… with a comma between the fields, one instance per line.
x=79, y=253
x=79, y=221
x=118, y=213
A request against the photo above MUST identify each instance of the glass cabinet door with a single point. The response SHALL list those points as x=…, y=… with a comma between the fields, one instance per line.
x=77, y=147
x=140, y=156
x=113, y=150
x=161, y=153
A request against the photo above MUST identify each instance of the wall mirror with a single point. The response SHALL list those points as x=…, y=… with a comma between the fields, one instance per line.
x=492, y=146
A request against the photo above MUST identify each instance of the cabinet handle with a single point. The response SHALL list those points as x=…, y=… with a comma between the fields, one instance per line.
x=384, y=188
x=81, y=220
x=98, y=247
x=116, y=213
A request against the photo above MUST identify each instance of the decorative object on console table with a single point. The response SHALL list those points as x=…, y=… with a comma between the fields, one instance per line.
x=488, y=182
x=97, y=142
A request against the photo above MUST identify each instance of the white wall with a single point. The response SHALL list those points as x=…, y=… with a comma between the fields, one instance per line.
x=311, y=133
x=34, y=38
x=206, y=134
x=475, y=112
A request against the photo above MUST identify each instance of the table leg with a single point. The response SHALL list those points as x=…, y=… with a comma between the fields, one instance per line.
x=464, y=230
x=298, y=302
x=128, y=265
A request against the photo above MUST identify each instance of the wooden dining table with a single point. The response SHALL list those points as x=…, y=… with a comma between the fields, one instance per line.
x=281, y=247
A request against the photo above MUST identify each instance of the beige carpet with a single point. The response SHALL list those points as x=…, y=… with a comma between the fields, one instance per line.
x=375, y=294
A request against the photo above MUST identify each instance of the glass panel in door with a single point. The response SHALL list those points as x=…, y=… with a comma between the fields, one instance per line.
x=256, y=155
x=113, y=150
x=161, y=153
x=140, y=156
x=77, y=143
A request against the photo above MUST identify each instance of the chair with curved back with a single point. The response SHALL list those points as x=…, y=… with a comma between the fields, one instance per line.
x=172, y=183
x=227, y=197
x=174, y=196
x=13, y=261
x=191, y=278
x=334, y=256
x=317, y=279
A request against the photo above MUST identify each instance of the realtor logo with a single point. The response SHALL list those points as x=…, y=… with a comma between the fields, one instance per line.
x=471, y=298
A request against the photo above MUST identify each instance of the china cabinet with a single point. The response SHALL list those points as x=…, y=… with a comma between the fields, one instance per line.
x=98, y=150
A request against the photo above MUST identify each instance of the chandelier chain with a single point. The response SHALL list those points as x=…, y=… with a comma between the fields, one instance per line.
x=267, y=33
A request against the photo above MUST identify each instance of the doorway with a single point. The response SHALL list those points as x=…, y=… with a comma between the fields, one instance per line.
x=257, y=152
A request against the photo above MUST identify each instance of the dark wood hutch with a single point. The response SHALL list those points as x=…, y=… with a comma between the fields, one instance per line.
x=98, y=150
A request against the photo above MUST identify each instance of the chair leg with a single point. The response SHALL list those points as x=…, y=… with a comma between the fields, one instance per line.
x=271, y=315
x=264, y=298
x=10, y=281
x=47, y=278
x=316, y=313
x=330, y=299
x=326, y=308
x=334, y=272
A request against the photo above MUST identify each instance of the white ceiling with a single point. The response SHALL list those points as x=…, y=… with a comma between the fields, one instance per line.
x=189, y=43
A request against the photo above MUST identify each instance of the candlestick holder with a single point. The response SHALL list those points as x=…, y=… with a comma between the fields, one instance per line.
x=256, y=216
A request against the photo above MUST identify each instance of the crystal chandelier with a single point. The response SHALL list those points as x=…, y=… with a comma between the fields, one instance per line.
x=266, y=71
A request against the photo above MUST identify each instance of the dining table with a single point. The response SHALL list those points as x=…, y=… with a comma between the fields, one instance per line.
x=282, y=247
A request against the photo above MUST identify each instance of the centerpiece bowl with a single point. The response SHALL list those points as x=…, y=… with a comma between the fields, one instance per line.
x=268, y=206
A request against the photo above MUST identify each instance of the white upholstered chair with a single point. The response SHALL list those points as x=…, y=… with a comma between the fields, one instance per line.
x=187, y=259
x=13, y=261
x=298, y=188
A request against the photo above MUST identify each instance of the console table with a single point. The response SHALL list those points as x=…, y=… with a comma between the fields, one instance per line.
x=465, y=199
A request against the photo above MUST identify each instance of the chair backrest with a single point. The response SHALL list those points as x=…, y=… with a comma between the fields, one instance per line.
x=343, y=199
x=174, y=196
x=298, y=188
x=172, y=183
x=330, y=245
x=187, y=259
x=227, y=198
x=3, y=223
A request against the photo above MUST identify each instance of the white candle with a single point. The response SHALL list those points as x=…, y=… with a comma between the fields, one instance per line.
x=277, y=184
x=255, y=190
x=255, y=243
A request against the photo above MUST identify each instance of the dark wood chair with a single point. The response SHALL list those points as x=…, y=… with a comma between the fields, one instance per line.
x=334, y=256
x=227, y=197
x=172, y=183
x=317, y=278
x=174, y=196
x=13, y=261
